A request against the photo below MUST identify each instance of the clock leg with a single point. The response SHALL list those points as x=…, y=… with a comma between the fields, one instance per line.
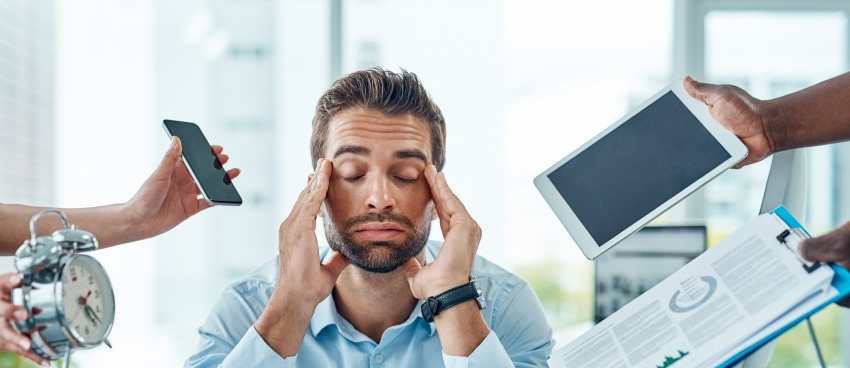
x=66, y=363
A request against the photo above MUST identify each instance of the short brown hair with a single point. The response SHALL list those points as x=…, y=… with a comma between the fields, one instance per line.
x=392, y=94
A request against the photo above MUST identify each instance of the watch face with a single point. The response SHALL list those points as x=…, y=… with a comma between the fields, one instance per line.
x=87, y=299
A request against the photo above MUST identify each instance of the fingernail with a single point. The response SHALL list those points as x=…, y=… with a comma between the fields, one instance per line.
x=15, y=279
x=21, y=315
x=45, y=364
x=173, y=143
x=24, y=343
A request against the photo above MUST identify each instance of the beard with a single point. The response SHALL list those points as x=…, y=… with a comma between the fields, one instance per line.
x=377, y=256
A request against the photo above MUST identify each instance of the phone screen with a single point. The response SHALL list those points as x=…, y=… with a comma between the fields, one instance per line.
x=202, y=162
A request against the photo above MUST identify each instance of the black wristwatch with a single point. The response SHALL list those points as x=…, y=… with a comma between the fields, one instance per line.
x=454, y=296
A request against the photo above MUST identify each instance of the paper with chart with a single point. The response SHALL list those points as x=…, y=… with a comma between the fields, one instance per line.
x=708, y=310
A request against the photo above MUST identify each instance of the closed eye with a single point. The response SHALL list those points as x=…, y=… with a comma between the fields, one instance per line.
x=351, y=180
x=408, y=181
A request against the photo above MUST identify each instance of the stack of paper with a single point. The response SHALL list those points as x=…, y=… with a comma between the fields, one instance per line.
x=733, y=296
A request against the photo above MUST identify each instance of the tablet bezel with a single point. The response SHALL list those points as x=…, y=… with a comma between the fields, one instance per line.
x=579, y=233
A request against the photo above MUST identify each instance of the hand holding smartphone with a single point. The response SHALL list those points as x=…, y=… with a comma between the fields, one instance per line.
x=212, y=179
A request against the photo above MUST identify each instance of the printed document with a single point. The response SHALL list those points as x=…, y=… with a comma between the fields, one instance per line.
x=729, y=298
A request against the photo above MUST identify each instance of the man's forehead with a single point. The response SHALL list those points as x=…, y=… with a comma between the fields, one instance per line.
x=377, y=132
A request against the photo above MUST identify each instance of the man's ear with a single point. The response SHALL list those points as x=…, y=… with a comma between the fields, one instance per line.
x=433, y=211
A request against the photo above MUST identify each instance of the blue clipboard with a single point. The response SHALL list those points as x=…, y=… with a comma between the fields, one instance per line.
x=841, y=281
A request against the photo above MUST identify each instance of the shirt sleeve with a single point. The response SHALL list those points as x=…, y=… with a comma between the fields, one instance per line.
x=228, y=338
x=490, y=353
x=520, y=335
x=252, y=351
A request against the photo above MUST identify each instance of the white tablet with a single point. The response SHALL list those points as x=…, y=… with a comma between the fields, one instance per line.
x=637, y=168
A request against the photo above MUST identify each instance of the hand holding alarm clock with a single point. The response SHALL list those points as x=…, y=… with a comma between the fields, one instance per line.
x=67, y=296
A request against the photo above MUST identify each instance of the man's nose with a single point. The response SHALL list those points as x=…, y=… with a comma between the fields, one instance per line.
x=380, y=196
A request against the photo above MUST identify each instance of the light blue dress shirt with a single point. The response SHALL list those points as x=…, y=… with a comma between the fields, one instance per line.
x=519, y=335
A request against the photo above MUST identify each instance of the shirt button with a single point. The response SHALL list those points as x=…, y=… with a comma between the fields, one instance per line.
x=379, y=358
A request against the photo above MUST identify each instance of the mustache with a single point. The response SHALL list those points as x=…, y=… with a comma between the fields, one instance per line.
x=379, y=217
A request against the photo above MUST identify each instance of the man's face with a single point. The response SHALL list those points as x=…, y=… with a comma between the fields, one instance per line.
x=378, y=209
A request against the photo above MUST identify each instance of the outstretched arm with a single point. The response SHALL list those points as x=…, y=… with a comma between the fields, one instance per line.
x=166, y=199
x=816, y=115
x=813, y=116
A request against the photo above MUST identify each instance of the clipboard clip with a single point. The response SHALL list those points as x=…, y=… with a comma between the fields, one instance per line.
x=808, y=266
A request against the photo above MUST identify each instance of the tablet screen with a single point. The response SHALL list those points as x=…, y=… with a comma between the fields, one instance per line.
x=637, y=167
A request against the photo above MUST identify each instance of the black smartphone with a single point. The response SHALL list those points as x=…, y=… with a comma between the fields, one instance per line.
x=203, y=164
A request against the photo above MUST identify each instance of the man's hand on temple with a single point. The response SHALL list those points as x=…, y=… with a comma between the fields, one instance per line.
x=303, y=281
x=461, y=328
x=831, y=247
x=453, y=264
x=170, y=195
x=740, y=113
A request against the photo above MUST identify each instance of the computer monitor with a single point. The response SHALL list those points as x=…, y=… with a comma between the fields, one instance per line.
x=640, y=262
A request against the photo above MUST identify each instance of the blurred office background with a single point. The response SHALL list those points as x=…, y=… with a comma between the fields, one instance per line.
x=85, y=84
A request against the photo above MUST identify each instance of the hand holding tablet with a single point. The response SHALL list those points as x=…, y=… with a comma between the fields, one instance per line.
x=637, y=168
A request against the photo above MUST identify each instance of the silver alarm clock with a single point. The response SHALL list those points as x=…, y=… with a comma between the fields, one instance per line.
x=68, y=295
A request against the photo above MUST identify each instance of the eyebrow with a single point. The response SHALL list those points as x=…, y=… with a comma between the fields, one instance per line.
x=411, y=154
x=357, y=150
x=399, y=155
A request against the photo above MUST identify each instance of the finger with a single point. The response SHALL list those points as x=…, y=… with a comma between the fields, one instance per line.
x=9, y=281
x=13, y=341
x=222, y=158
x=449, y=202
x=13, y=312
x=437, y=197
x=844, y=303
x=299, y=202
x=35, y=358
x=832, y=247
x=705, y=92
x=172, y=156
x=19, y=344
x=319, y=189
x=203, y=204
x=410, y=269
x=436, y=194
x=336, y=264
x=233, y=173
x=217, y=149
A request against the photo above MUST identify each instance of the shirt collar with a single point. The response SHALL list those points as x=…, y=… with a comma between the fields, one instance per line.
x=326, y=313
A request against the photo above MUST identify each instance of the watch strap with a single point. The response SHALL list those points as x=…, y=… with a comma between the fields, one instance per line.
x=454, y=296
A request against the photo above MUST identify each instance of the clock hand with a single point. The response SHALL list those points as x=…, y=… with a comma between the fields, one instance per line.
x=82, y=302
x=88, y=314
x=92, y=315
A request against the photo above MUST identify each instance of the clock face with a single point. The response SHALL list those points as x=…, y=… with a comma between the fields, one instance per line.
x=87, y=299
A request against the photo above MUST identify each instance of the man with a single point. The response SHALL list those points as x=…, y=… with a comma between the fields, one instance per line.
x=167, y=198
x=816, y=115
x=378, y=145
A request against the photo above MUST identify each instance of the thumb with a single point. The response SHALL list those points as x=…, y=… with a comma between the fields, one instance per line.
x=166, y=166
x=832, y=247
x=705, y=92
x=336, y=264
x=411, y=268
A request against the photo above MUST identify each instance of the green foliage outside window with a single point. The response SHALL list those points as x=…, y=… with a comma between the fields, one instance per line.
x=9, y=360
